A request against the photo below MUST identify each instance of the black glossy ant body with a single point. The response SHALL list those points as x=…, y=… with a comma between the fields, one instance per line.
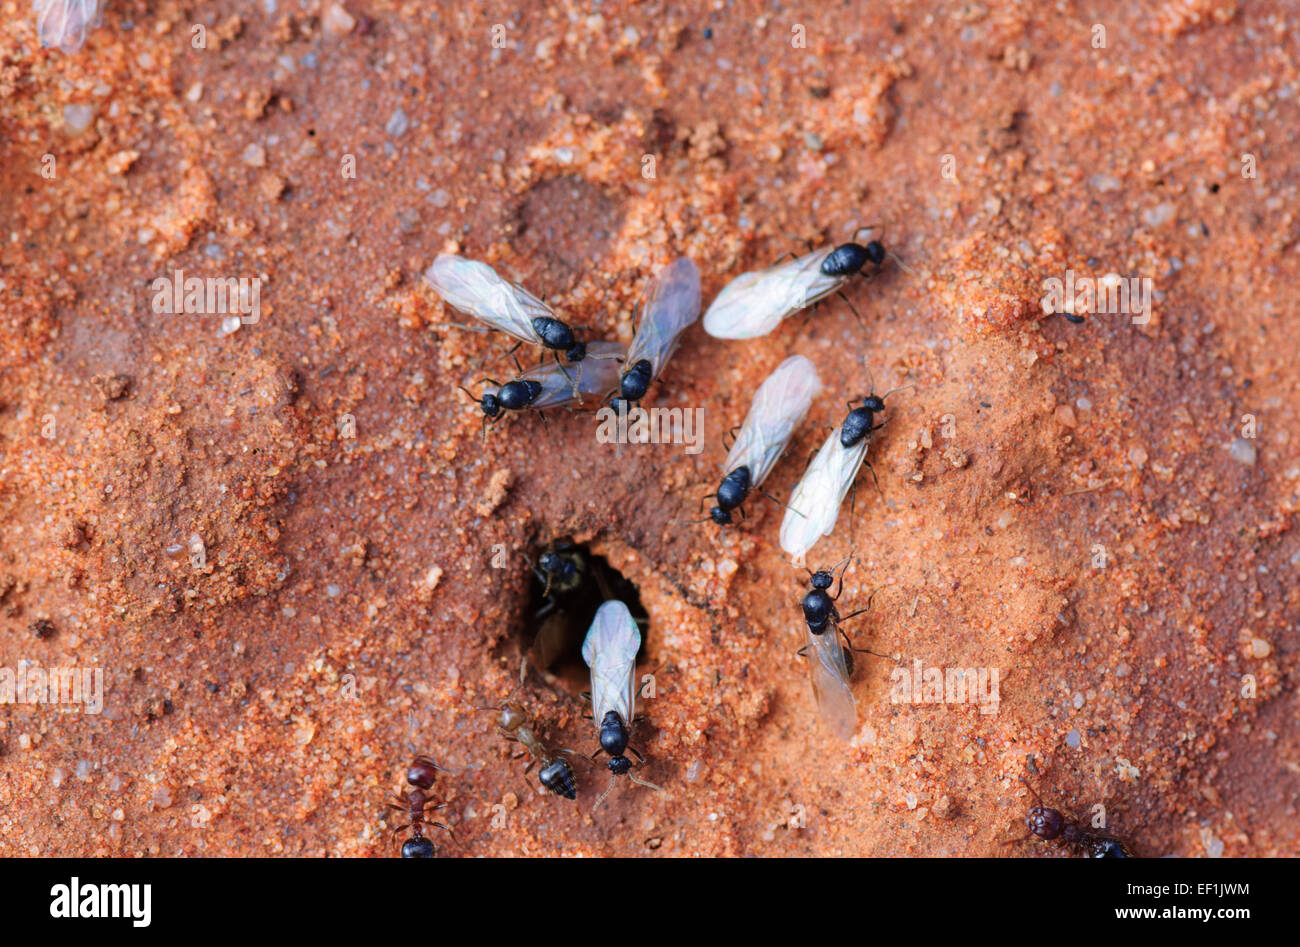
x=512, y=396
x=820, y=611
x=731, y=493
x=414, y=802
x=1052, y=825
x=850, y=258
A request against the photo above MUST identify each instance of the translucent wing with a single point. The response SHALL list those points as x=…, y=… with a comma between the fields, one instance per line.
x=672, y=304
x=780, y=403
x=815, y=503
x=475, y=289
x=754, y=304
x=65, y=23
x=610, y=651
x=829, y=674
x=596, y=378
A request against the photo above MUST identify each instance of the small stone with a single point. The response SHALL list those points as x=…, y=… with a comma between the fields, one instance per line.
x=1159, y=215
x=121, y=162
x=1243, y=451
x=1259, y=648
x=1065, y=415
x=337, y=22
x=77, y=118
x=1138, y=457
x=397, y=125
x=255, y=156
x=111, y=385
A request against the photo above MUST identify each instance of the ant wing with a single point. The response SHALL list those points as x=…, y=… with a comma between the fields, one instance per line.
x=754, y=304
x=780, y=404
x=64, y=23
x=610, y=651
x=815, y=503
x=477, y=290
x=672, y=304
x=830, y=682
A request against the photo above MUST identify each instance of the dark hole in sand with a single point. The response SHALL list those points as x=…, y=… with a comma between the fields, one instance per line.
x=557, y=620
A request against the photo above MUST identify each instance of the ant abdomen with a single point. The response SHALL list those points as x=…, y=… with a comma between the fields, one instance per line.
x=557, y=776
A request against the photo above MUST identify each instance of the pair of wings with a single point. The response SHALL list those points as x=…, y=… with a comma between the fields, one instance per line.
x=672, y=304
x=829, y=674
x=815, y=503
x=610, y=651
x=754, y=304
x=477, y=290
x=780, y=404
x=595, y=377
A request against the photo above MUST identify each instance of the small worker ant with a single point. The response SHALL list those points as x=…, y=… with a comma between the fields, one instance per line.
x=1052, y=825
x=414, y=802
x=556, y=774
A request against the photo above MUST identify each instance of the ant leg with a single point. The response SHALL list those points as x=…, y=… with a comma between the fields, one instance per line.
x=856, y=314
x=802, y=652
x=778, y=502
x=448, y=830
x=874, y=477
x=639, y=757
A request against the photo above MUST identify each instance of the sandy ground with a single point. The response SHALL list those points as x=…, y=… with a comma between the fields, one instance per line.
x=296, y=561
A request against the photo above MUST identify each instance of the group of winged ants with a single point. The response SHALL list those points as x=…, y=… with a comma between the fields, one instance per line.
x=752, y=305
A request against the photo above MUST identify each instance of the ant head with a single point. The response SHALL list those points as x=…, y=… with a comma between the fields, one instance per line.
x=1045, y=823
x=875, y=251
x=549, y=562
x=720, y=516
x=619, y=765
x=576, y=352
x=421, y=772
x=513, y=715
x=491, y=406
x=873, y=403
x=418, y=847
x=821, y=579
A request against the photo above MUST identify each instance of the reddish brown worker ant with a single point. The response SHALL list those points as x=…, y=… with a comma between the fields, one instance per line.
x=556, y=774
x=414, y=802
x=1051, y=825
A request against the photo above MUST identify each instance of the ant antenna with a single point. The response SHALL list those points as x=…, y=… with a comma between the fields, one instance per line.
x=606, y=792
x=643, y=782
